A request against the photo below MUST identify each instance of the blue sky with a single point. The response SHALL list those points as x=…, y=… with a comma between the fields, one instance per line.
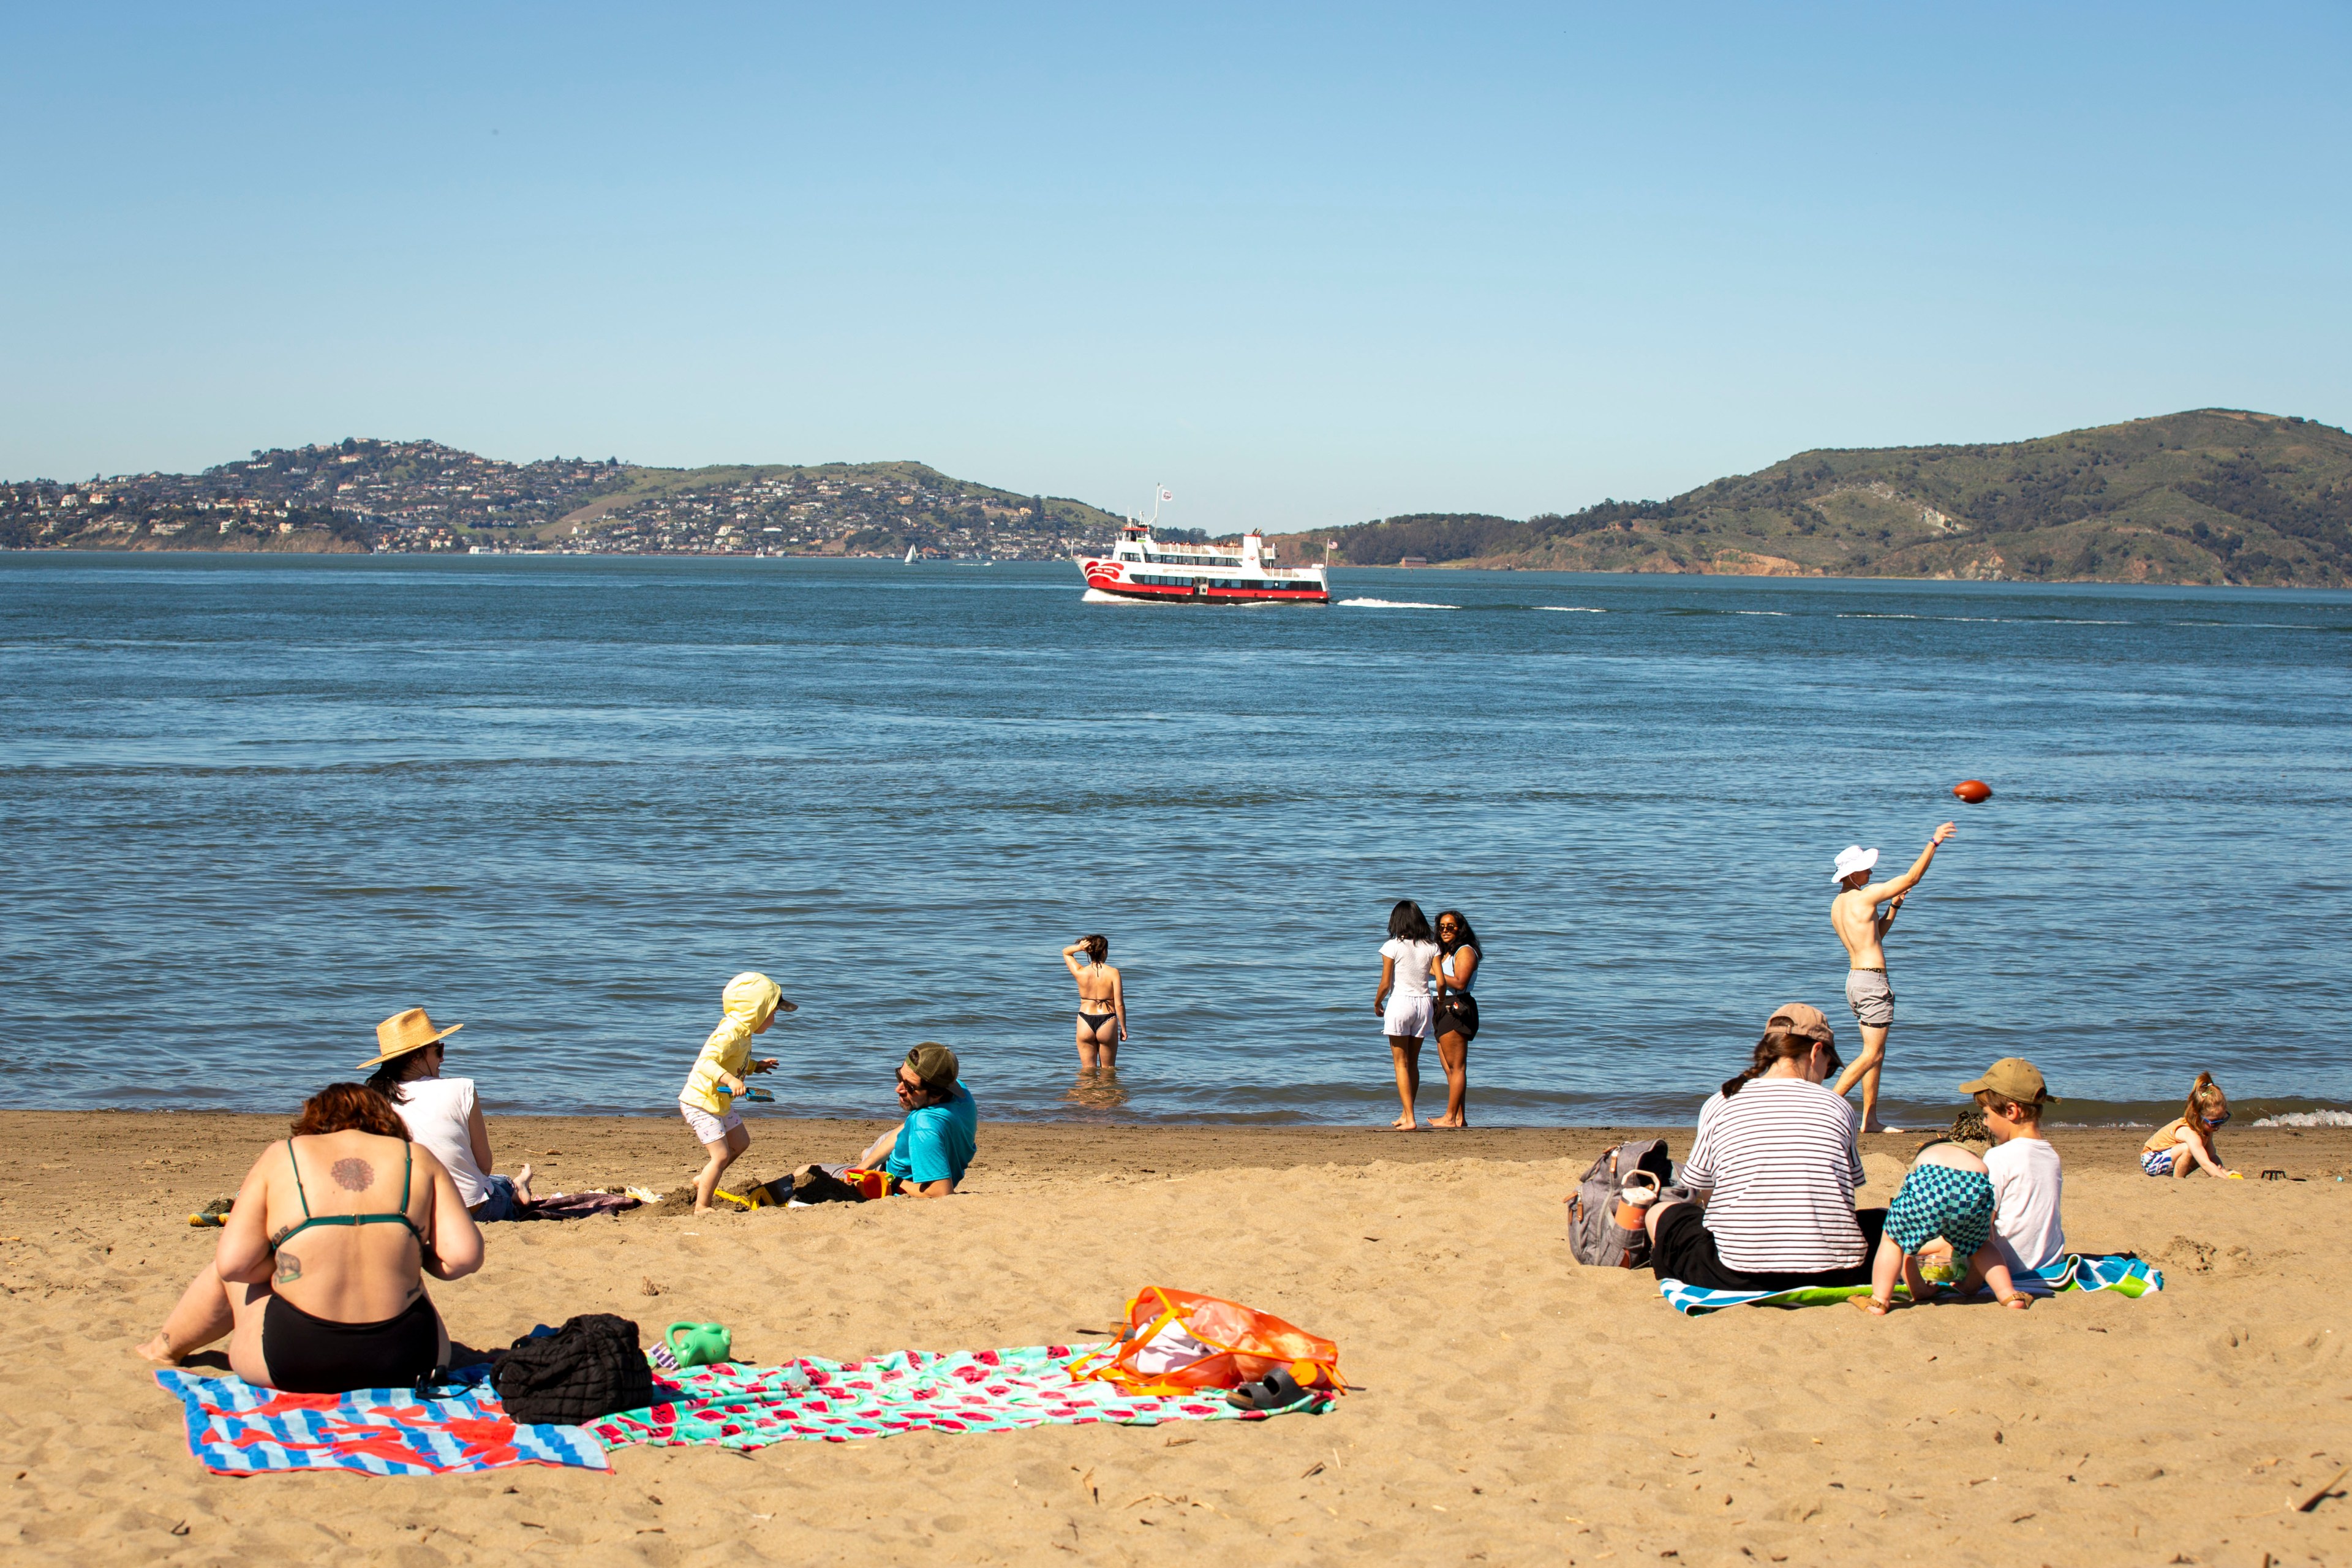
x=1308, y=264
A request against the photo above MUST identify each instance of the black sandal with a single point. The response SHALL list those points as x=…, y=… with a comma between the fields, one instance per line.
x=1277, y=1390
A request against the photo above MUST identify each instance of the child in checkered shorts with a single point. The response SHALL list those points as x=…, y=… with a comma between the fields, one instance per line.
x=1949, y=1194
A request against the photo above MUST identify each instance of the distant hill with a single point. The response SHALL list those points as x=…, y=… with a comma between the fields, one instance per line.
x=2211, y=496
x=841, y=507
x=420, y=495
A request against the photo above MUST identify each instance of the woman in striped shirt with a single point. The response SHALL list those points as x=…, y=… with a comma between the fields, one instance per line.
x=1776, y=1162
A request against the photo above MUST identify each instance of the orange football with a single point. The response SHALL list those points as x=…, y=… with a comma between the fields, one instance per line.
x=1976, y=792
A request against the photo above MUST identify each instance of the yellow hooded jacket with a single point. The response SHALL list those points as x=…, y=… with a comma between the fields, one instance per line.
x=748, y=999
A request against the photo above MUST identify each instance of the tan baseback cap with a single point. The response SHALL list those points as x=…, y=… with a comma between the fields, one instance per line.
x=1800, y=1019
x=2015, y=1078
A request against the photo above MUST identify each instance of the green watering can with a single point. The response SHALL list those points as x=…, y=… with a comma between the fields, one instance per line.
x=704, y=1343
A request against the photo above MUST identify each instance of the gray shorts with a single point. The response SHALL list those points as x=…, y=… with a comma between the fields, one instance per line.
x=1871, y=999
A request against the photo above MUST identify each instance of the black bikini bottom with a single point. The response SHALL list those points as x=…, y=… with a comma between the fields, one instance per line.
x=1095, y=1021
x=1455, y=1013
x=319, y=1355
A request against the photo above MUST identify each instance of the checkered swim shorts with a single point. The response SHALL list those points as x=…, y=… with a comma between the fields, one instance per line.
x=1937, y=1200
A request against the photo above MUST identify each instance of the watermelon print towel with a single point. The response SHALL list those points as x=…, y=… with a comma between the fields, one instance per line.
x=907, y=1391
x=237, y=1429
x=2119, y=1272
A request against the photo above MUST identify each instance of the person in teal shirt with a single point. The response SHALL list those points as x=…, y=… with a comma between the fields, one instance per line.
x=930, y=1151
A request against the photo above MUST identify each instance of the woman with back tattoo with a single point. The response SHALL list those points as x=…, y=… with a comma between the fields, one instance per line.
x=318, y=1282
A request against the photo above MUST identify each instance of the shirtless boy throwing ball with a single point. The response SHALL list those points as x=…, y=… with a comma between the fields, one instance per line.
x=1862, y=927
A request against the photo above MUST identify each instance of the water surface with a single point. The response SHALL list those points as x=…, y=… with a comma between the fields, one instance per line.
x=254, y=804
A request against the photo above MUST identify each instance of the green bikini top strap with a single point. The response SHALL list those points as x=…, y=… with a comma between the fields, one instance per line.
x=408, y=1169
x=298, y=1179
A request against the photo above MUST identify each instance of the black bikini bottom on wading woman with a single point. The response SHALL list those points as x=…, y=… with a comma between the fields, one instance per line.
x=1684, y=1249
x=1455, y=1013
x=319, y=1355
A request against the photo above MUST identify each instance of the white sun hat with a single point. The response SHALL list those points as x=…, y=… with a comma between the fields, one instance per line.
x=1852, y=858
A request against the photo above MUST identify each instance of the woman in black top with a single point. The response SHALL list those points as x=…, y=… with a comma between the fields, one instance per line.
x=1454, y=1012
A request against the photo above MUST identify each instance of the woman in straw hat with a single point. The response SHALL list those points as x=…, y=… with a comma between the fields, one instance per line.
x=750, y=1001
x=442, y=1113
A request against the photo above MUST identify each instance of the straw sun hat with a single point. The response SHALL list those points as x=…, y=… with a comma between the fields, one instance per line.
x=405, y=1032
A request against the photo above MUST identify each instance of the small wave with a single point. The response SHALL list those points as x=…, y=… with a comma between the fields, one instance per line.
x=1573, y=609
x=1958, y=620
x=1782, y=613
x=1396, y=604
x=2307, y=1119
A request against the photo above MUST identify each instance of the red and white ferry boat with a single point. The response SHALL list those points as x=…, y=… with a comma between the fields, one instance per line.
x=1140, y=567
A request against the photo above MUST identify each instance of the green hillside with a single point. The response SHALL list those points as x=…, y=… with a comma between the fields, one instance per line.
x=2211, y=496
x=859, y=507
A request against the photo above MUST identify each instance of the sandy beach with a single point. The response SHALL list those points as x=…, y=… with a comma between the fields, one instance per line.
x=1512, y=1407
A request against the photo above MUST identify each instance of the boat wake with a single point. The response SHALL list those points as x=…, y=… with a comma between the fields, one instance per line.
x=1573, y=609
x=1394, y=604
x=1097, y=596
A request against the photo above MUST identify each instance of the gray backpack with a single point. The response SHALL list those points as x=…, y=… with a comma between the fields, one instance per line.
x=1594, y=1236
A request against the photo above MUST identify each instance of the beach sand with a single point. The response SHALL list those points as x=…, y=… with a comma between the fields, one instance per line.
x=1513, y=1408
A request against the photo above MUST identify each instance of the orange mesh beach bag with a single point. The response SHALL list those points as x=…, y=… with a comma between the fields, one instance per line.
x=1177, y=1341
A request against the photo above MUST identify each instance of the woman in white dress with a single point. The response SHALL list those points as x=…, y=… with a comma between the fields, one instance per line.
x=1403, y=1000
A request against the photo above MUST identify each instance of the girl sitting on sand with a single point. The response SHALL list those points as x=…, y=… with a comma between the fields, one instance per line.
x=751, y=1001
x=2186, y=1141
x=1947, y=1196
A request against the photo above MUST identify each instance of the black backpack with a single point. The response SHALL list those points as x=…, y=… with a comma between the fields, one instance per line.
x=589, y=1367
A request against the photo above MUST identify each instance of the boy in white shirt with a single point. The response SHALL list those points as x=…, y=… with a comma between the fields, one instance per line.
x=2026, y=1179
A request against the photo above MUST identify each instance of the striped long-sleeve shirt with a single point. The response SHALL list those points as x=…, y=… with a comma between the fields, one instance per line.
x=1781, y=1160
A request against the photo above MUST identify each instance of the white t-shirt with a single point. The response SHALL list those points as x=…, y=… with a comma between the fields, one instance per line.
x=439, y=1113
x=1412, y=961
x=1780, y=1160
x=2026, y=1184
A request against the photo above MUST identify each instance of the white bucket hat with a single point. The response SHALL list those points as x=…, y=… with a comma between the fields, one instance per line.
x=1852, y=858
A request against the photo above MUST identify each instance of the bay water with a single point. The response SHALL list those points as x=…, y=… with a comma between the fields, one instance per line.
x=254, y=804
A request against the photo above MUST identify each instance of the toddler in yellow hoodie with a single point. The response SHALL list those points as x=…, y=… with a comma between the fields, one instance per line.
x=751, y=1001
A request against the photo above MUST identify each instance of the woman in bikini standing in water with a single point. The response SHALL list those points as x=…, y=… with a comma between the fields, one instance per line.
x=1102, y=1004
